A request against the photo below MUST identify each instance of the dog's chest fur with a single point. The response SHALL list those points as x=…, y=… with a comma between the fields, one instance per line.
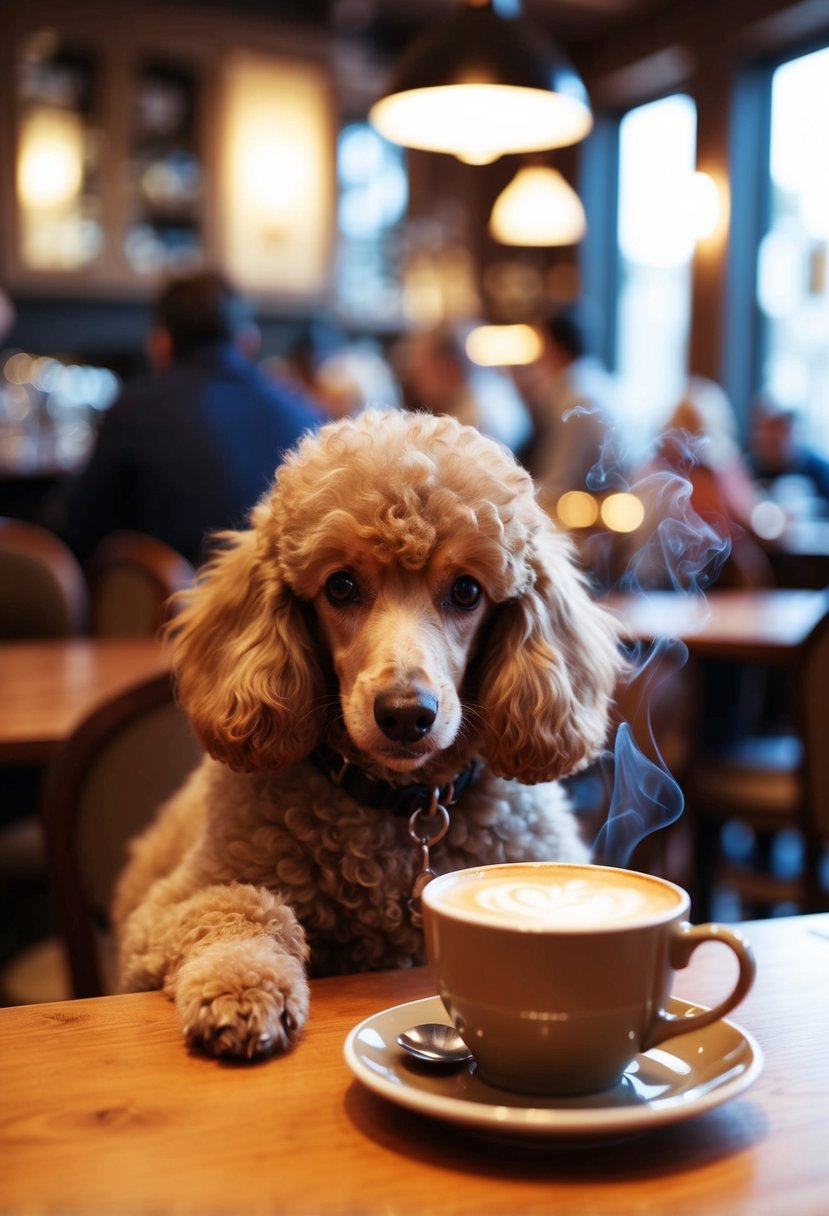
x=347, y=871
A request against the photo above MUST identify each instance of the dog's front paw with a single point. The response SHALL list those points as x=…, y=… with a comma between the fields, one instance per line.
x=243, y=999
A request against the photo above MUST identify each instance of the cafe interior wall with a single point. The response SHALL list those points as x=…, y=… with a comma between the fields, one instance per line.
x=694, y=45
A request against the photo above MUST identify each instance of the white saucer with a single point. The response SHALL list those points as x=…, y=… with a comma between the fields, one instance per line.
x=688, y=1075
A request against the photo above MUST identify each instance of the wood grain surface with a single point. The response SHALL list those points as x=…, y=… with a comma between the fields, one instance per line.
x=104, y=1111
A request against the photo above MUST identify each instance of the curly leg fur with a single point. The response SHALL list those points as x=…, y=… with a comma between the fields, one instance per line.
x=241, y=998
x=231, y=956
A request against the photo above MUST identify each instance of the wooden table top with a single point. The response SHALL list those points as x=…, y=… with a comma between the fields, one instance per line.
x=752, y=626
x=103, y=1112
x=48, y=687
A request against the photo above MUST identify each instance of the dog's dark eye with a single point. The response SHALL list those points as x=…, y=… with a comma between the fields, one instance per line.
x=341, y=588
x=466, y=592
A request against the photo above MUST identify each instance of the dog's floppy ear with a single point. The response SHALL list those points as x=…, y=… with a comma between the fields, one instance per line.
x=245, y=665
x=548, y=671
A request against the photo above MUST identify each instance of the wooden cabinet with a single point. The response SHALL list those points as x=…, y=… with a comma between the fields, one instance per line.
x=124, y=164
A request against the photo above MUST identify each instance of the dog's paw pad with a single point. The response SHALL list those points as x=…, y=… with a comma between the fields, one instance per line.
x=230, y=1008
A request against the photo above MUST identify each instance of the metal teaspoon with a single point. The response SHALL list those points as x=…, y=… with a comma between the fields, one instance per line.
x=435, y=1043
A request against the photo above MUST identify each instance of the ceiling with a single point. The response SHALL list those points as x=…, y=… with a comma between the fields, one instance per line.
x=569, y=19
x=390, y=24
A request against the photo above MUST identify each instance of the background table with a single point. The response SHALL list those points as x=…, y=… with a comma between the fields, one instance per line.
x=800, y=557
x=746, y=626
x=102, y=1111
x=48, y=687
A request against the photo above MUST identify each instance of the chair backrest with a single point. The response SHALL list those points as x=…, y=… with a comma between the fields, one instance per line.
x=811, y=686
x=133, y=577
x=43, y=592
x=103, y=788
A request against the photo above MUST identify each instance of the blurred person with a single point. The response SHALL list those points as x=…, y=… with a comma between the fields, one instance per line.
x=711, y=491
x=778, y=449
x=353, y=377
x=570, y=397
x=699, y=498
x=295, y=368
x=436, y=375
x=342, y=380
x=189, y=449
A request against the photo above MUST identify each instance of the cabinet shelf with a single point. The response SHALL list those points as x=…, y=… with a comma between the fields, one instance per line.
x=127, y=129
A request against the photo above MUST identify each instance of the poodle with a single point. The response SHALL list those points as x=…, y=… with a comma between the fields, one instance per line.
x=390, y=669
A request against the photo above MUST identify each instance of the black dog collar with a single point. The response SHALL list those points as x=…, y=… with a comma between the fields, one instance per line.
x=401, y=800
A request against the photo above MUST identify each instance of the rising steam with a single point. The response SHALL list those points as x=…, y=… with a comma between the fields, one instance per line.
x=645, y=797
x=676, y=549
x=681, y=550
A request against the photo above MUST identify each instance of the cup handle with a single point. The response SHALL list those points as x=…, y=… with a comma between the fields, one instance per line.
x=686, y=939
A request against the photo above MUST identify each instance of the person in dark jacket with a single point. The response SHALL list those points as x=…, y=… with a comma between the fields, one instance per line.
x=779, y=449
x=188, y=450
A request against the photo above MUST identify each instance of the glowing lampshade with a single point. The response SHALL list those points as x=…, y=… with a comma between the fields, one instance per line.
x=538, y=207
x=482, y=84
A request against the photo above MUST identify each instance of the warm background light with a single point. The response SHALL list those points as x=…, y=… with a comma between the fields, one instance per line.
x=622, y=512
x=480, y=122
x=703, y=205
x=483, y=82
x=56, y=230
x=50, y=163
x=277, y=184
x=503, y=345
x=577, y=509
x=538, y=207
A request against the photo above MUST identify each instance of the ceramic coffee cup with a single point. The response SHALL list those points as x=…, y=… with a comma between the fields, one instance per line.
x=557, y=975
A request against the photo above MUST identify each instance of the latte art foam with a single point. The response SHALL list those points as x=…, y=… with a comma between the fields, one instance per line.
x=567, y=903
x=571, y=903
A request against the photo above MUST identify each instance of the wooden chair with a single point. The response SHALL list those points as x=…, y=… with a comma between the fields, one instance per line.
x=132, y=578
x=104, y=786
x=43, y=592
x=770, y=785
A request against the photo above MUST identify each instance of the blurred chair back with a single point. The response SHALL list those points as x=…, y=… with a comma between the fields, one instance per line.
x=773, y=784
x=814, y=729
x=43, y=592
x=103, y=788
x=133, y=577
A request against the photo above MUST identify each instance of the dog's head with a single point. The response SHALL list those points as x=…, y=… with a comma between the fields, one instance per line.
x=400, y=593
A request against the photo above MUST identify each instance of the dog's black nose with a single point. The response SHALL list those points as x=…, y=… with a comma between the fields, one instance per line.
x=405, y=719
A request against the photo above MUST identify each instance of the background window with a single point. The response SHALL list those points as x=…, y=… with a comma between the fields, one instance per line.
x=657, y=153
x=373, y=195
x=792, y=287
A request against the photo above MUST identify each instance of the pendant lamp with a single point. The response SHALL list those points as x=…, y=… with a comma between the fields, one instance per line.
x=538, y=207
x=481, y=84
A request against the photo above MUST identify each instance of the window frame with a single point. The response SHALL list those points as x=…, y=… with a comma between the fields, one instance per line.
x=745, y=335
